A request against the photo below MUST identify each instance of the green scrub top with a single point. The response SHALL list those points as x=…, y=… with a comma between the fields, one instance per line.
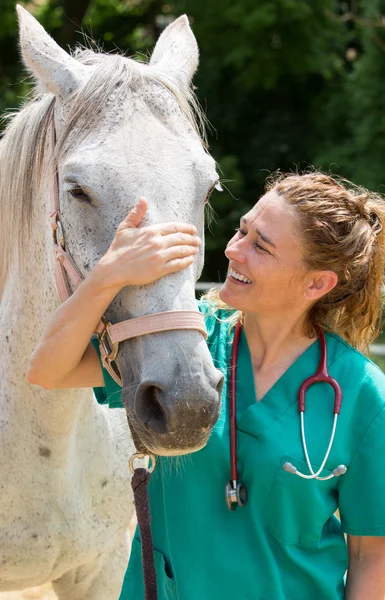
x=286, y=543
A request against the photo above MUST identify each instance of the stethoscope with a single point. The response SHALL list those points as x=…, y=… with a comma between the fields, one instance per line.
x=235, y=491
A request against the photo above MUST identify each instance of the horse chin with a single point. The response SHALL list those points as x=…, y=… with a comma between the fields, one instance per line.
x=181, y=452
x=151, y=448
x=146, y=444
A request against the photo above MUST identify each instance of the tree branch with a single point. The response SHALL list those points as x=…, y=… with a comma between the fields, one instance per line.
x=351, y=16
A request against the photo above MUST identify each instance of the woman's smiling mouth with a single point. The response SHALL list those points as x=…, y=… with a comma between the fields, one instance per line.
x=238, y=276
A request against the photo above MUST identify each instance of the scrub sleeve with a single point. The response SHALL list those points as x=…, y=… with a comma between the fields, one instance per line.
x=286, y=544
x=362, y=489
x=111, y=393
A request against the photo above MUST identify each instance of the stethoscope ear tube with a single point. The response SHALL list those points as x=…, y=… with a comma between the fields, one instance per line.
x=321, y=376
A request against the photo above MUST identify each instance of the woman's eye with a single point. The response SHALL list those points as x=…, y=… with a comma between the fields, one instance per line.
x=78, y=193
x=242, y=232
x=260, y=247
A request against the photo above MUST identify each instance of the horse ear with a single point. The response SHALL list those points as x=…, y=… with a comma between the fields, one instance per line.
x=51, y=65
x=176, y=52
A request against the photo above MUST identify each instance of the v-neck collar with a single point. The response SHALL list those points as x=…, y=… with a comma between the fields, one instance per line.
x=254, y=416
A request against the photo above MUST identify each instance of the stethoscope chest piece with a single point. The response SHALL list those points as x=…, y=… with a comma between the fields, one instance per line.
x=235, y=494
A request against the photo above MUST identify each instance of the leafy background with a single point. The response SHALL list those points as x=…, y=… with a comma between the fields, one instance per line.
x=285, y=83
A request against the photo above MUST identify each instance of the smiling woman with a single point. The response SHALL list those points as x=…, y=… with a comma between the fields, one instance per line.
x=309, y=256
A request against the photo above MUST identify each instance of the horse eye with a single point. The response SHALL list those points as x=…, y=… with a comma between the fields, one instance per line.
x=78, y=193
x=216, y=186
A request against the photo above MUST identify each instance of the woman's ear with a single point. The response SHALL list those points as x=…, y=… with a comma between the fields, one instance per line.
x=320, y=284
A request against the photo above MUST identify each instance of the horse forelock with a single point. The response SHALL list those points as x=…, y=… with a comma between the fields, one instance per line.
x=22, y=149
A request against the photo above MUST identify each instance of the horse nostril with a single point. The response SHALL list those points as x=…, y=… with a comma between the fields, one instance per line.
x=149, y=409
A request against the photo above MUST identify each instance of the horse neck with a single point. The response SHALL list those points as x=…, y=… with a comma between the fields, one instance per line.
x=29, y=298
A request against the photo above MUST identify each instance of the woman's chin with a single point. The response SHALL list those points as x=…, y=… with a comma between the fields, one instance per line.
x=229, y=296
x=223, y=293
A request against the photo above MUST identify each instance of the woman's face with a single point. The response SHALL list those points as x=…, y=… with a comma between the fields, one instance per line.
x=266, y=254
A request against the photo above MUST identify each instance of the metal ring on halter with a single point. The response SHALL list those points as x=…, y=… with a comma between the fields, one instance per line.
x=141, y=456
x=111, y=348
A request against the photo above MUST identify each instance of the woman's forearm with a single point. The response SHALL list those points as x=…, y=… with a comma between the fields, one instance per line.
x=69, y=330
x=366, y=579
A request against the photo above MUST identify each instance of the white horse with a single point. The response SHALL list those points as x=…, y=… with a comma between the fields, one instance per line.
x=123, y=129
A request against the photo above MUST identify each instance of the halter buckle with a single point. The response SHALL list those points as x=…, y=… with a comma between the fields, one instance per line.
x=58, y=235
x=110, y=348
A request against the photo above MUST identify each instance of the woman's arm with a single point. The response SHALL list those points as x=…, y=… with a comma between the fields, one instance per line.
x=64, y=356
x=366, y=574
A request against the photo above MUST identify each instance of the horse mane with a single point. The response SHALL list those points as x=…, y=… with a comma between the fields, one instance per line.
x=23, y=145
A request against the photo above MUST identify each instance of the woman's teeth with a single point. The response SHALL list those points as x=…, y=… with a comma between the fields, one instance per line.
x=239, y=276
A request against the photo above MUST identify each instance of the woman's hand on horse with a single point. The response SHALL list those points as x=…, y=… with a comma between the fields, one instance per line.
x=141, y=256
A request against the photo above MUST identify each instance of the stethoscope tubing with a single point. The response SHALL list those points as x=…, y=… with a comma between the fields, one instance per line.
x=233, y=400
x=321, y=468
x=235, y=491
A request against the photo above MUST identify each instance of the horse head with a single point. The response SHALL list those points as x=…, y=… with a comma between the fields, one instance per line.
x=126, y=129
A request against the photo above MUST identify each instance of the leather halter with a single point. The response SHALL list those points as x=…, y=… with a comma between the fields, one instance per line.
x=66, y=272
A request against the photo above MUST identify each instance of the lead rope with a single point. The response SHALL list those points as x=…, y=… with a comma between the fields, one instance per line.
x=139, y=484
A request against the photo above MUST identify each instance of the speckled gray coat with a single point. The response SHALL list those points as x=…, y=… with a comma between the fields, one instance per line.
x=65, y=493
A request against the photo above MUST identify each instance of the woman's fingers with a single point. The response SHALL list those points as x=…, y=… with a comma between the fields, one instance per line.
x=169, y=228
x=135, y=215
x=172, y=230
x=141, y=255
x=178, y=264
x=176, y=252
x=179, y=239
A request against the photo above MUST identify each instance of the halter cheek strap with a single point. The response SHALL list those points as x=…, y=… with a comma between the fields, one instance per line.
x=67, y=272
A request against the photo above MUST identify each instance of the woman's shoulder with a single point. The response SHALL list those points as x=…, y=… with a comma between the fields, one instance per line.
x=357, y=370
x=342, y=350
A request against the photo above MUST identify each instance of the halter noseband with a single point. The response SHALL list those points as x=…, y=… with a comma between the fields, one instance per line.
x=109, y=335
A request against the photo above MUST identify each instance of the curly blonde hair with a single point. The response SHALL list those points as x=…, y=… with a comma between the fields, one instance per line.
x=342, y=228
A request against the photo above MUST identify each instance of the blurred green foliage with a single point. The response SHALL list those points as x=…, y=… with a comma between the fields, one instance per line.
x=285, y=83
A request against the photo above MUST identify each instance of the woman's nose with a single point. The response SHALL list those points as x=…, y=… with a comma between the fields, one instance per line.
x=235, y=251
